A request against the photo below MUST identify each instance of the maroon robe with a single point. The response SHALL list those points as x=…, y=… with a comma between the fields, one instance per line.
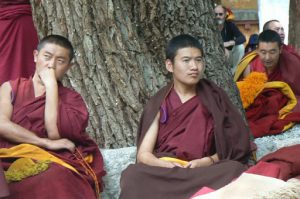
x=57, y=181
x=18, y=39
x=263, y=114
x=283, y=164
x=226, y=135
x=287, y=158
x=3, y=185
x=186, y=130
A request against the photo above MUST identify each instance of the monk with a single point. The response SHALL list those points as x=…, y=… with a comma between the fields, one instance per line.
x=190, y=135
x=275, y=25
x=44, y=148
x=275, y=106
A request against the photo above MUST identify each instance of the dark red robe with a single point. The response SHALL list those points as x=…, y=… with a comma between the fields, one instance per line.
x=283, y=164
x=57, y=181
x=18, y=39
x=3, y=185
x=181, y=124
x=216, y=116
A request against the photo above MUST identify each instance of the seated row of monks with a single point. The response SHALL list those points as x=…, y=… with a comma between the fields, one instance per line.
x=190, y=134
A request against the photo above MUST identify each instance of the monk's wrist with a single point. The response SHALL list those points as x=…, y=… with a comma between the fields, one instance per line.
x=211, y=160
x=44, y=142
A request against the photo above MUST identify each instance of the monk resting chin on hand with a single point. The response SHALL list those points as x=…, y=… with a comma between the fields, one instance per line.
x=44, y=148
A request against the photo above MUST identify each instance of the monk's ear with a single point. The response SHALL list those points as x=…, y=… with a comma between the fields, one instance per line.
x=169, y=65
x=35, y=55
x=280, y=49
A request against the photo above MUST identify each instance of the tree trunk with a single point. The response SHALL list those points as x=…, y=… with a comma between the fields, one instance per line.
x=120, y=54
x=294, y=26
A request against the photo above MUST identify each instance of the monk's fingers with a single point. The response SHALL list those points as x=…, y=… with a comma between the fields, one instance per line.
x=176, y=164
x=69, y=145
x=188, y=165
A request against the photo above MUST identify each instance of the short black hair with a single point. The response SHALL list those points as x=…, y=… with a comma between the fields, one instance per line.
x=269, y=36
x=267, y=24
x=181, y=41
x=58, y=40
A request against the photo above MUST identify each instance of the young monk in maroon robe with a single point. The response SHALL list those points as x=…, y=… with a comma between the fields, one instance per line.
x=190, y=135
x=44, y=147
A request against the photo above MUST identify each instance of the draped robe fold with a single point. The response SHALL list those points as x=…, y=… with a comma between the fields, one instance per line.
x=216, y=117
x=18, y=39
x=56, y=181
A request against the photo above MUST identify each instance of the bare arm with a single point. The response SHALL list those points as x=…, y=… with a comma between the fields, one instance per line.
x=47, y=76
x=16, y=133
x=145, y=152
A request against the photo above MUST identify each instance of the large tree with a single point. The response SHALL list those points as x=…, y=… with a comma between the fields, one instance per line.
x=120, y=54
x=294, y=25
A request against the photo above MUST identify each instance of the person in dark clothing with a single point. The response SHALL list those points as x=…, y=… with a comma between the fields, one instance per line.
x=252, y=43
x=232, y=37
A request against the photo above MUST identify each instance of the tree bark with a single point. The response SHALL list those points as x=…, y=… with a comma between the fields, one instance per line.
x=119, y=60
x=294, y=26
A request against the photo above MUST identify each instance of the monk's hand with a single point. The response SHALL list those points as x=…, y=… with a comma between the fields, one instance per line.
x=169, y=164
x=203, y=162
x=47, y=76
x=60, y=144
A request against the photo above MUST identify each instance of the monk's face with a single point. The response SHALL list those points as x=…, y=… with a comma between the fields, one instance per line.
x=277, y=27
x=269, y=53
x=53, y=56
x=187, y=67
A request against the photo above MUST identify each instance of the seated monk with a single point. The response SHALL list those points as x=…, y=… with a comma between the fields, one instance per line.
x=44, y=148
x=190, y=135
x=275, y=105
x=275, y=25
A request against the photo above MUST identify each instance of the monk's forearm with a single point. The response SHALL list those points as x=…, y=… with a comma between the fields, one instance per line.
x=17, y=134
x=51, y=112
x=149, y=159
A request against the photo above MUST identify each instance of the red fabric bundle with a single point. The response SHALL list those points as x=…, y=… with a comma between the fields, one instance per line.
x=18, y=39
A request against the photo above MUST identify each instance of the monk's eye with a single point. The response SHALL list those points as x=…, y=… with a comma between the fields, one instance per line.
x=61, y=61
x=263, y=52
x=47, y=57
x=199, y=60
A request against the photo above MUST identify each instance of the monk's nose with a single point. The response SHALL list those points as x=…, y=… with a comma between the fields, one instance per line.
x=51, y=64
x=194, y=65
